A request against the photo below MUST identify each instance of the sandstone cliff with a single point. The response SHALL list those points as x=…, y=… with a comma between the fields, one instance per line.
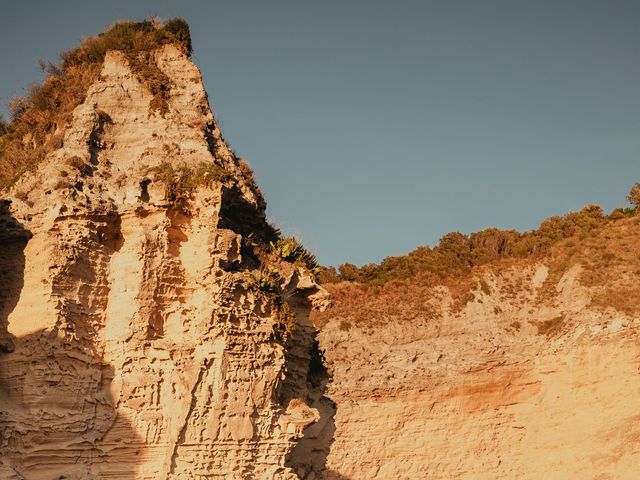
x=536, y=376
x=135, y=339
x=150, y=330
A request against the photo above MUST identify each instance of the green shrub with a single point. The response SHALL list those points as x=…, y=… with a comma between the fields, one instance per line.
x=180, y=182
x=291, y=250
x=349, y=272
x=265, y=281
x=328, y=275
x=178, y=28
x=285, y=321
x=619, y=213
x=456, y=253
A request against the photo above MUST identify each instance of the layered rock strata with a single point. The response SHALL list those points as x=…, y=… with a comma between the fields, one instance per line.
x=524, y=382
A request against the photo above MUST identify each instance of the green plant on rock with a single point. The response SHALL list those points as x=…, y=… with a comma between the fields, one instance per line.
x=285, y=320
x=137, y=40
x=266, y=281
x=180, y=182
x=291, y=250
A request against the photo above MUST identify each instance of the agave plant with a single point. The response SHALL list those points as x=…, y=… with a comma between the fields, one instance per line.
x=291, y=250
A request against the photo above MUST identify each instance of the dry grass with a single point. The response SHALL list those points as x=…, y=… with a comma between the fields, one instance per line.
x=181, y=181
x=38, y=117
x=550, y=327
x=358, y=304
x=605, y=246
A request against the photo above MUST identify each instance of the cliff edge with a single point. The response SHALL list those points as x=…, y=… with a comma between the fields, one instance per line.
x=522, y=367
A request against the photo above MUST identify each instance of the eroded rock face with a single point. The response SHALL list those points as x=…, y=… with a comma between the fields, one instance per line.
x=130, y=346
x=519, y=384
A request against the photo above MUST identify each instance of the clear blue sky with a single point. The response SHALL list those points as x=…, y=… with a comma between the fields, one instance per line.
x=374, y=127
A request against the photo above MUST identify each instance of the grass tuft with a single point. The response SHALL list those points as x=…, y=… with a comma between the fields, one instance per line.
x=180, y=182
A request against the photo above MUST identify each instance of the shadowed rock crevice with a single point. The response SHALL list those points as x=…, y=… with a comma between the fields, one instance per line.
x=243, y=217
x=13, y=240
x=309, y=457
x=307, y=379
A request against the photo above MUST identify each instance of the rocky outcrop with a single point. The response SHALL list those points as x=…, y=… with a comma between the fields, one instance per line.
x=132, y=345
x=530, y=380
x=147, y=330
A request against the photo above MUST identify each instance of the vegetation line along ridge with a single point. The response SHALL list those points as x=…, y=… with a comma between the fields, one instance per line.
x=37, y=119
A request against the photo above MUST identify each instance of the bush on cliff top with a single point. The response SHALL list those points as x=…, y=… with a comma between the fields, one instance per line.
x=456, y=253
x=36, y=117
